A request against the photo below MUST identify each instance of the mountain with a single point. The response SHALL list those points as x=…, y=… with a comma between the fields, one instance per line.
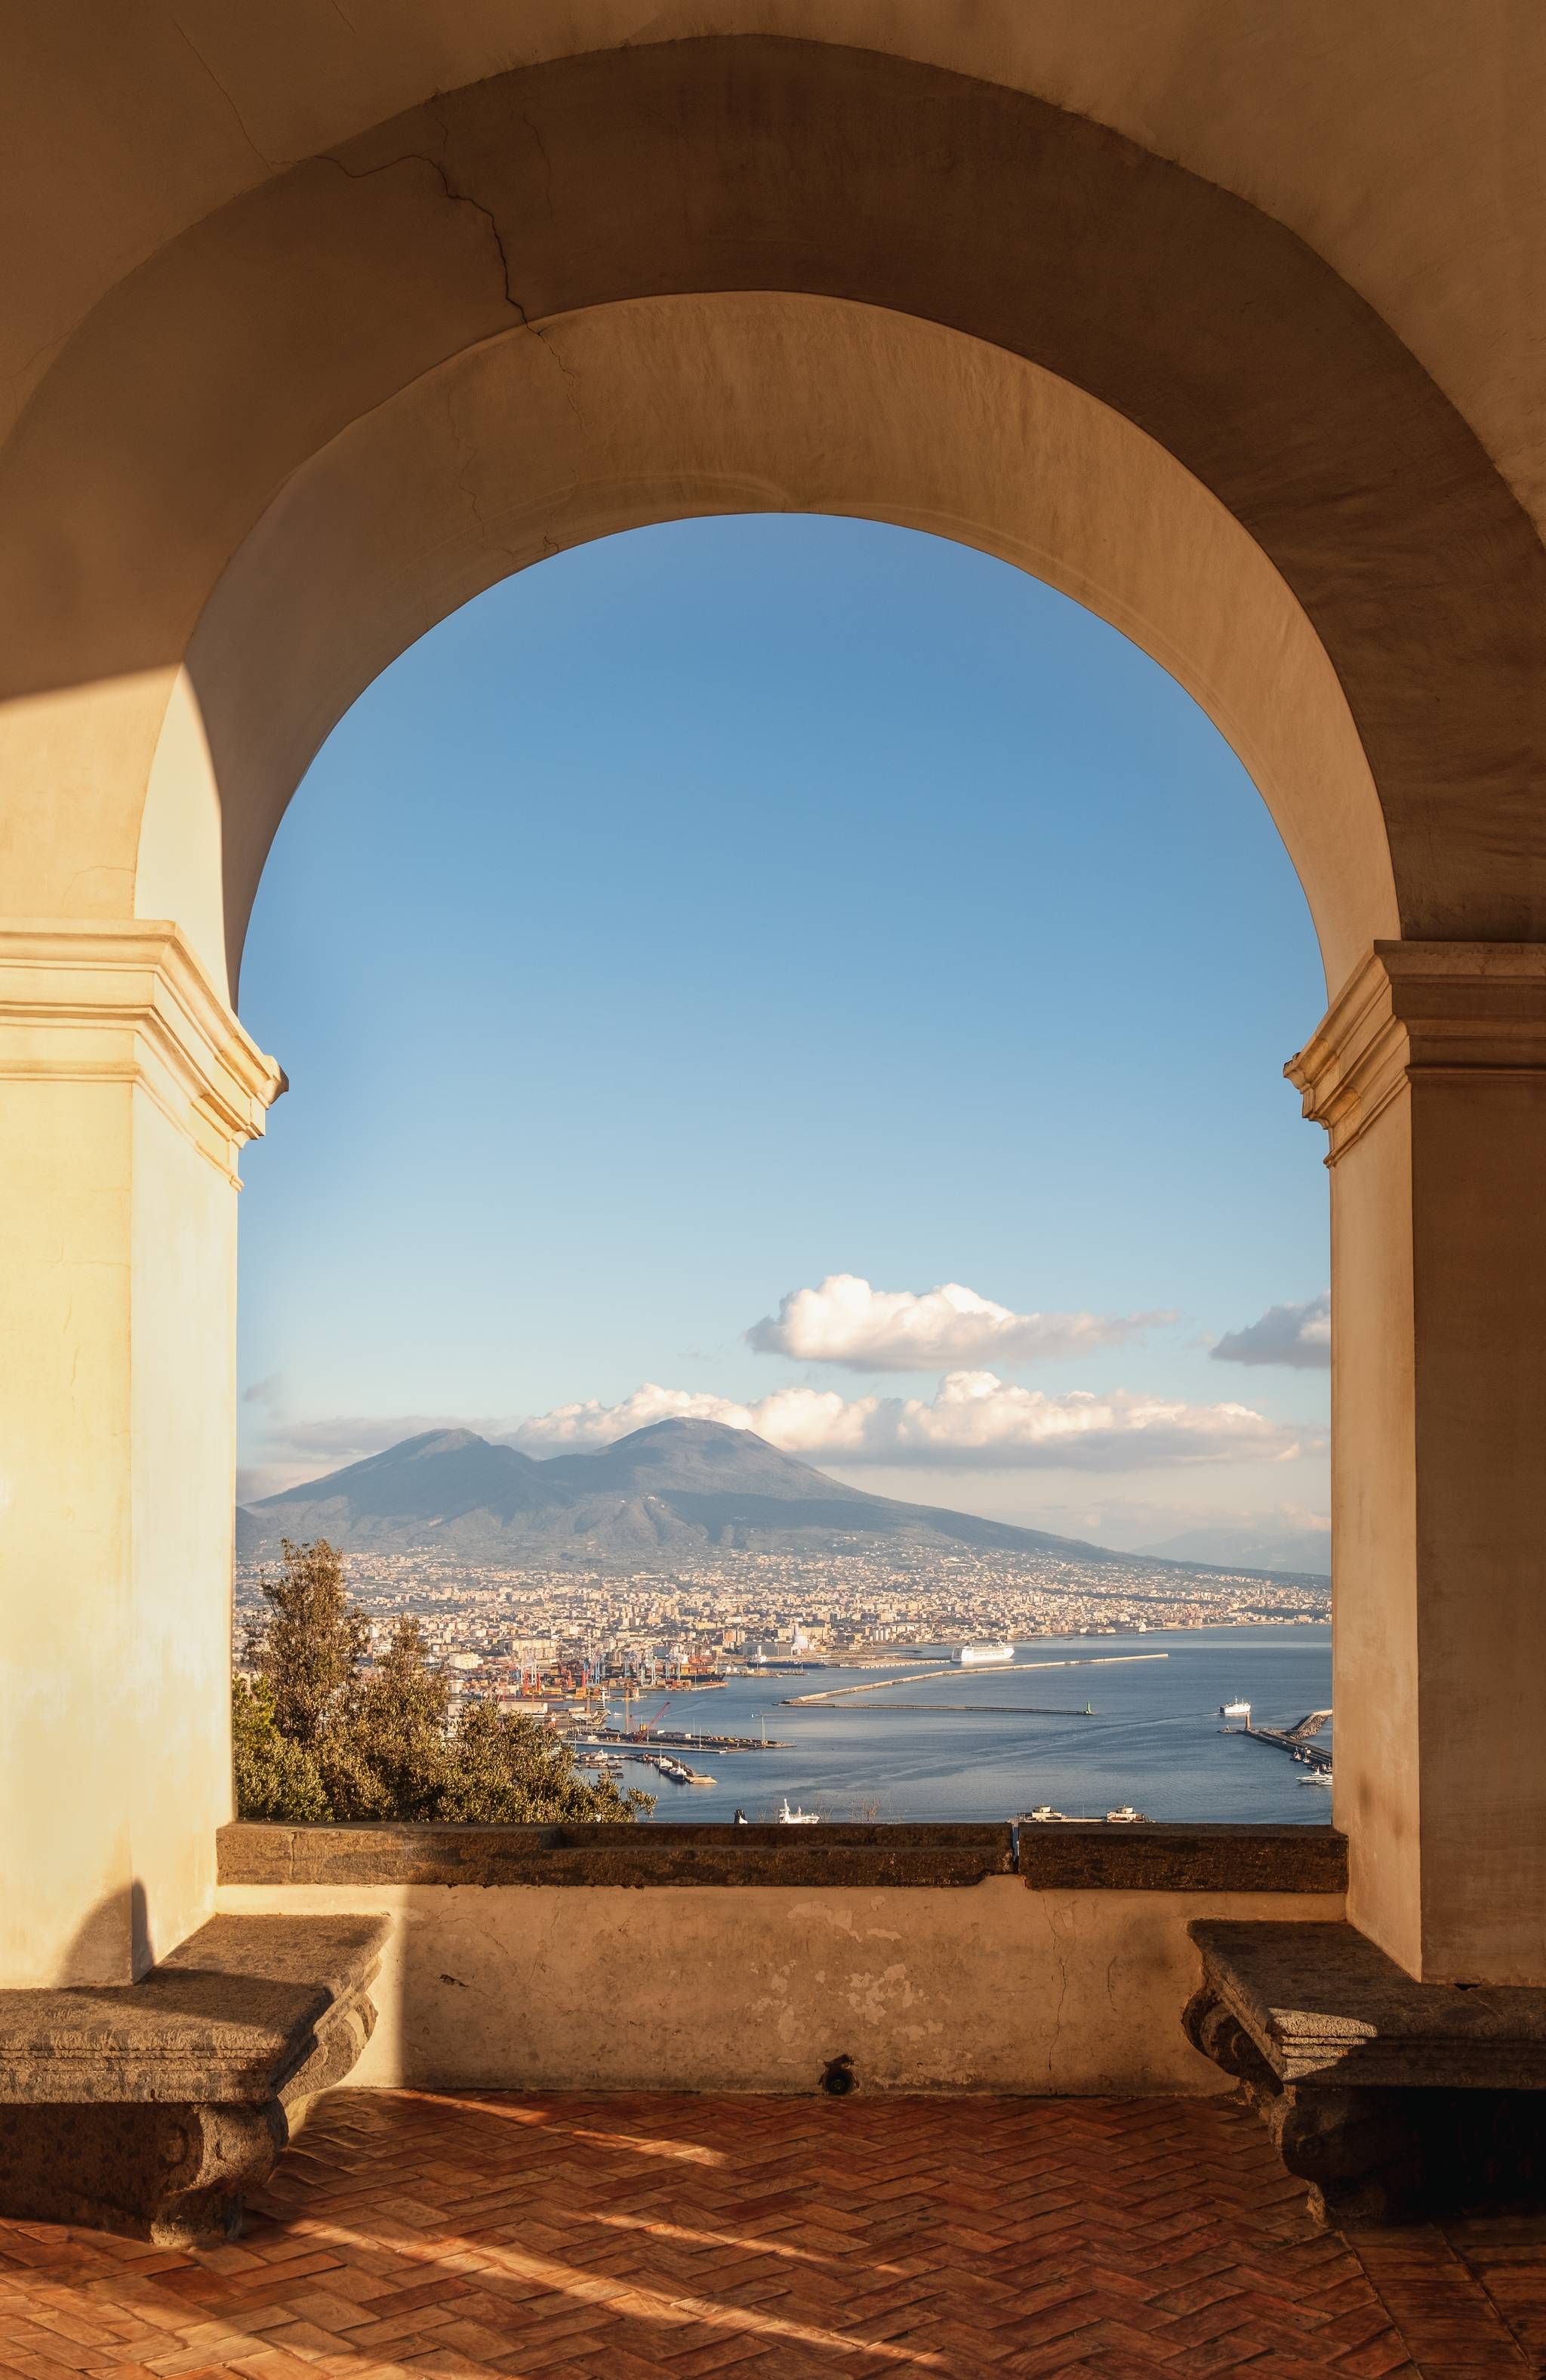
x=679, y=1488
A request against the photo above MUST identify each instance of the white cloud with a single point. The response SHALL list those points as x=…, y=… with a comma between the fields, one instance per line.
x=571, y=1430
x=1297, y=1335
x=974, y=1421
x=844, y=1320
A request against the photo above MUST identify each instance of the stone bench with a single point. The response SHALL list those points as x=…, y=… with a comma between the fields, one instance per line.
x=150, y=2108
x=1393, y=2099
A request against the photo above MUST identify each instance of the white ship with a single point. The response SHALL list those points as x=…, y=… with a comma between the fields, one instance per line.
x=980, y=1657
x=1318, y=1777
x=787, y=1817
x=1126, y=1816
x=1045, y=1816
x=1241, y=1711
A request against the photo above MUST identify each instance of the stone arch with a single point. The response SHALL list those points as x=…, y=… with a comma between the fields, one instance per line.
x=650, y=410
x=802, y=273
x=192, y=396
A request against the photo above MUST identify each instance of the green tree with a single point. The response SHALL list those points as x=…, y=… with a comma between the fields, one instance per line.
x=316, y=1739
x=275, y=1778
x=398, y=1752
x=509, y=1770
x=310, y=1645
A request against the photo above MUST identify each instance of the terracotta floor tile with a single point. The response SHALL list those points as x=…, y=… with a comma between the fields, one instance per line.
x=415, y=2236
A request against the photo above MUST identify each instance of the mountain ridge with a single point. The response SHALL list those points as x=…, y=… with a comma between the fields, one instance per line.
x=677, y=1488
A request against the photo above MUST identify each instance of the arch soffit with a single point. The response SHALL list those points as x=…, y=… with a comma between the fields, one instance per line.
x=657, y=409
x=199, y=387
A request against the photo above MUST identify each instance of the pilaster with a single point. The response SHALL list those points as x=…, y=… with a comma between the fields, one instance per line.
x=127, y=1089
x=1429, y=1073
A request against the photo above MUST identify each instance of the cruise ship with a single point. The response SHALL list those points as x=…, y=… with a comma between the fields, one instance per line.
x=980, y=1657
x=1242, y=1711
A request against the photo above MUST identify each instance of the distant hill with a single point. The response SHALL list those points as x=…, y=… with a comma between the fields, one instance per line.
x=676, y=1489
x=1307, y=1552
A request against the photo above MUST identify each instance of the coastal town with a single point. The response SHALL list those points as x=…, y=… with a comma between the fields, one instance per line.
x=519, y=1634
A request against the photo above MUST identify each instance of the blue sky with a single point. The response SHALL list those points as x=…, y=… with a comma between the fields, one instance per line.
x=718, y=909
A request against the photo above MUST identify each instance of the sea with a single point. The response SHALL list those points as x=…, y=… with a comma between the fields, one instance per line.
x=1018, y=1735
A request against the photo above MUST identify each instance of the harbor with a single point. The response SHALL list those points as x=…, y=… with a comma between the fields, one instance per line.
x=1145, y=1735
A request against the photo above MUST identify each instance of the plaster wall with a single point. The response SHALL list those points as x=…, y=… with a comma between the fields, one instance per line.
x=115, y=1660
x=66, y=1170
x=987, y=1988
x=1478, y=1164
x=175, y=1665
x=1377, y=1793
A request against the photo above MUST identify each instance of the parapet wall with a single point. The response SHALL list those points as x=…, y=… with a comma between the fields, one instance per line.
x=734, y=1959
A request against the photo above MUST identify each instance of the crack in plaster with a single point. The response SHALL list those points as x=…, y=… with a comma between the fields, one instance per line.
x=459, y=197
x=266, y=162
x=547, y=166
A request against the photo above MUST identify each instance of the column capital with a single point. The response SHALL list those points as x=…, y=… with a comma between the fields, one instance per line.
x=1415, y=1011
x=125, y=1000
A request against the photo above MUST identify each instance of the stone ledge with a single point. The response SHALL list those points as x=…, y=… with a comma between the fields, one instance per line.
x=1076, y=1856
x=253, y=1851
x=150, y=2108
x=1071, y=1856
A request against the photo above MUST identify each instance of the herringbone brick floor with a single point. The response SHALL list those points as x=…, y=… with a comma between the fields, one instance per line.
x=604, y=2238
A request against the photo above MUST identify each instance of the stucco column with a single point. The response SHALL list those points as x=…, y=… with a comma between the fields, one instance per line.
x=1429, y=1073
x=126, y=1090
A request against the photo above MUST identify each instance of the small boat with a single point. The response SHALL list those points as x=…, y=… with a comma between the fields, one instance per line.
x=1317, y=1776
x=787, y=1817
x=1045, y=1816
x=1126, y=1816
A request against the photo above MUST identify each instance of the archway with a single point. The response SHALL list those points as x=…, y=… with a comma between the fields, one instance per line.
x=711, y=274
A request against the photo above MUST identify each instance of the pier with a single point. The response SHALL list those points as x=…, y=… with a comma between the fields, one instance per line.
x=954, y=1670
x=1296, y=1740
x=997, y=1710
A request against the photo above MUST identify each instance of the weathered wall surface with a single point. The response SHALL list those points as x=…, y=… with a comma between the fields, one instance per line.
x=991, y=1987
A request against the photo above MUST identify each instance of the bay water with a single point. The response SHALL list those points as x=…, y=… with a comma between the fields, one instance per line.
x=1155, y=1738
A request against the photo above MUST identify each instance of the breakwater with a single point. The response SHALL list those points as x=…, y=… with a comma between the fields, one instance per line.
x=954, y=1670
x=992, y=1710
